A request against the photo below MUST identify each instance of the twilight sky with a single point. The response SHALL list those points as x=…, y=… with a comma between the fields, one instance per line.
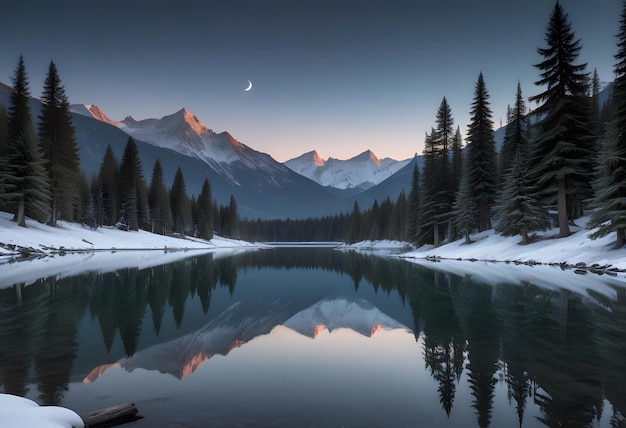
x=339, y=76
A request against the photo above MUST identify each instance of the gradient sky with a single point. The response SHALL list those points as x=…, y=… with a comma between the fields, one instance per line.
x=338, y=76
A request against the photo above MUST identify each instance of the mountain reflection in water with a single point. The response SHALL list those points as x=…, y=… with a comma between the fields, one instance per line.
x=510, y=353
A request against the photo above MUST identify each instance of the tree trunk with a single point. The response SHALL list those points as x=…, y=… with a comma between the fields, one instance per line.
x=562, y=209
x=619, y=243
x=53, y=212
x=436, y=239
x=467, y=236
x=19, y=216
x=524, y=234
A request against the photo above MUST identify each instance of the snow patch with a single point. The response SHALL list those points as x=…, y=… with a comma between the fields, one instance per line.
x=19, y=412
x=364, y=170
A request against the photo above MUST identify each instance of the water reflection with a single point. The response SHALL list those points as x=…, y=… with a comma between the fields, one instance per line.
x=557, y=355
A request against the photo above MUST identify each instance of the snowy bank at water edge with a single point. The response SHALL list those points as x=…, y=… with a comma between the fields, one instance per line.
x=574, y=251
x=18, y=412
x=39, y=238
x=377, y=245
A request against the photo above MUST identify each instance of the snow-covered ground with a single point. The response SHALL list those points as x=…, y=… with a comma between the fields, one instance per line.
x=40, y=238
x=72, y=249
x=18, y=412
x=574, y=251
x=546, y=249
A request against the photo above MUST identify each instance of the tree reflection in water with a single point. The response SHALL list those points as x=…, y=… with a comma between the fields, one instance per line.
x=550, y=347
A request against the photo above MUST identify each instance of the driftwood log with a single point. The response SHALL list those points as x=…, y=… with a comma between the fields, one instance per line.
x=111, y=416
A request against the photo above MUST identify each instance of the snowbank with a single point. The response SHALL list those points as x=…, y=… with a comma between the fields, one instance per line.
x=377, y=245
x=39, y=238
x=18, y=412
x=576, y=250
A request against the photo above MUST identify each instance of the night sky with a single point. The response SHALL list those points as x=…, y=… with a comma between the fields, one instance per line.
x=339, y=76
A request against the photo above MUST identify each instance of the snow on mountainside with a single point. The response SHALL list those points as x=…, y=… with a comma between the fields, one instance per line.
x=93, y=111
x=183, y=133
x=363, y=171
x=357, y=315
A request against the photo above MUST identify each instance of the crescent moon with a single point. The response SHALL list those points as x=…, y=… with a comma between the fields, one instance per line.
x=249, y=86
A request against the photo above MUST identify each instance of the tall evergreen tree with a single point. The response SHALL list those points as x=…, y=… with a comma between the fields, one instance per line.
x=516, y=134
x=465, y=209
x=429, y=186
x=413, y=206
x=596, y=108
x=24, y=179
x=109, y=188
x=158, y=200
x=443, y=137
x=179, y=203
x=4, y=141
x=58, y=141
x=205, y=211
x=4, y=131
x=609, y=199
x=457, y=160
x=354, y=227
x=133, y=189
x=481, y=163
x=560, y=153
x=20, y=118
x=517, y=211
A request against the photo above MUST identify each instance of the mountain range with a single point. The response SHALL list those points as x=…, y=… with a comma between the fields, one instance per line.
x=360, y=172
x=306, y=186
x=248, y=319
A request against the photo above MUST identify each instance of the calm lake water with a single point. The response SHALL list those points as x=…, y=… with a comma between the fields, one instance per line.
x=312, y=337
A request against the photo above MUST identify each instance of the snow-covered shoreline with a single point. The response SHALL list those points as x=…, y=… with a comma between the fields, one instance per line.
x=576, y=249
x=576, y=252
x=38, y=238
x=27, y=254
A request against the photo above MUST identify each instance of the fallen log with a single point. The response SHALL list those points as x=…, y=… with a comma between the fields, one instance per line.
x=111, y=416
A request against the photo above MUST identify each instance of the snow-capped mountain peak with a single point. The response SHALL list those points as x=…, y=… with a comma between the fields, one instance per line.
x=93, y=111
x=364, y=170
x=317, y=159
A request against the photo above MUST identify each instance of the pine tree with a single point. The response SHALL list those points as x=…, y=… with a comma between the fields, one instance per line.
x=24, y=179
x=354, y=227
x=516, y=134
x=108, y=181
x=595, y=113
x=444, y=196
x=86, y=209
x=398, y=222
x=413, y=206
x=4, y=141
x=457, y=160
x=158, y=200
x=20, y=118
x=560, y=153
x=58, y=141
x=193, y=207
x=133, y=189
x=430, y=182
x=465, y=209
x=179, y=204
x=609, y=199
x=517, y=211
x=205, y=212
x=481, y=163
x=4, y=131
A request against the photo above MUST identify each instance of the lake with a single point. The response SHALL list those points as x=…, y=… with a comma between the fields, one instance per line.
x=315, y=337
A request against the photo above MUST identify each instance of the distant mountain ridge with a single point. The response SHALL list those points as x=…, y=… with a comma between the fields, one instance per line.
x=360, y=172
